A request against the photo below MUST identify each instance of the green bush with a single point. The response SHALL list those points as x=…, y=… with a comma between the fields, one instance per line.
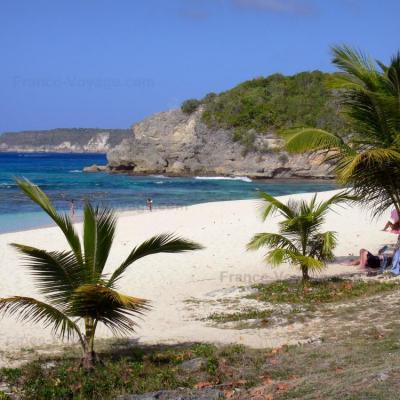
x=190, y=106
x=275, y=102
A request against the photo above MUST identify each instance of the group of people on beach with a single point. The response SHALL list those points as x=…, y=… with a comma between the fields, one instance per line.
x=383, y=262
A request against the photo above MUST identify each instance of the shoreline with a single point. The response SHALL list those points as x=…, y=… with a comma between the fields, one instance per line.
x=143, y=210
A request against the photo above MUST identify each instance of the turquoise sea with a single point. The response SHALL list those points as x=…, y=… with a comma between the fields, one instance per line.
x=61, y=177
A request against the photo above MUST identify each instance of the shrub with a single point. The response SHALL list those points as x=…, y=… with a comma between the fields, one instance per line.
x=190, y=106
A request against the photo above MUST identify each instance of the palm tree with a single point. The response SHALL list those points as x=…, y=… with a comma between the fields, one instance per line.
x=78, y=294
x=300, y=241
x=368, y=159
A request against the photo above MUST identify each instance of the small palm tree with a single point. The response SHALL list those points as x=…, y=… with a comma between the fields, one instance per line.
x=78, y=294
x=368, y=159
x=300, y=241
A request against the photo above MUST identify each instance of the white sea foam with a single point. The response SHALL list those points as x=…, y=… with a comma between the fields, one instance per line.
x=75, y=171
x=224, y=178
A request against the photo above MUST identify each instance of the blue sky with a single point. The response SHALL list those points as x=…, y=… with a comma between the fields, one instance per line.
x=109, y=63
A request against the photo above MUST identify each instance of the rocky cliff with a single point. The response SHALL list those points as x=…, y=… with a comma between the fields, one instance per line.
x=175, y=143
x=63, y=140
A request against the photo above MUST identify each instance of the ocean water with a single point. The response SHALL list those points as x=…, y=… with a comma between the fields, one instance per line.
x=61, y=177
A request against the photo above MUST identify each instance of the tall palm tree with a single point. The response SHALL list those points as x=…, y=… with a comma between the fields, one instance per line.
x=300, y=241
x=78, y=294
x=368, y=159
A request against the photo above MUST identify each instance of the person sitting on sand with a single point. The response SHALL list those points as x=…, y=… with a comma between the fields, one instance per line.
x=372, y=263
x=394, y=222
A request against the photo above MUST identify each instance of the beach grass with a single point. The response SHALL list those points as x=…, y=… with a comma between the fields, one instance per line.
x=320, y=291
x=246, y=314
x=285, y=302
x=331, y=369
x=335, y=365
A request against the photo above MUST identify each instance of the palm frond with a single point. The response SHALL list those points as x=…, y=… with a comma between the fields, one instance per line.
x=98, y=236
x=338, y=199
x=370, y=114
x=392, y=74
x=164, y=243
x=57, y=274
x=357, y=64
x=329, y=242
x=309, y=262
x=62, y=221
x=105, y=305
x=373, y=176
x=351, y=168
x=270, y=240
x=279, y=256
x=271, y=205
x=32, y=310
x=302, y=140
x=340, y=81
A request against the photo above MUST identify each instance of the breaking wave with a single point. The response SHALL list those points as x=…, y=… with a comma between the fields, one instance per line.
x=224, y=178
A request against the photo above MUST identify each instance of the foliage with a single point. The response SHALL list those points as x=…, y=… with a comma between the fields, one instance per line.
x=132, y=374
x=190, y=106
x=337, y=366
x=369, y=158
x=78, y=294
x=245, y=314
x=320, y=291
x=125, y=372
x=268, y=103
x=300, y=241
x=55, y=137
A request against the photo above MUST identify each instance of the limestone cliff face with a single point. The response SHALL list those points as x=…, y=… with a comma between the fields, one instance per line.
x=174, y=143
x=77, y=140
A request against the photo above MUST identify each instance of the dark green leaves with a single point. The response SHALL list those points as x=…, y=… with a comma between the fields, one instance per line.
x=98, y=235
x=32, y=310
x=57, y=274
x=300, y=241
x=62, y=221
x=73, y=281
x=107, y=306
x=367, y=159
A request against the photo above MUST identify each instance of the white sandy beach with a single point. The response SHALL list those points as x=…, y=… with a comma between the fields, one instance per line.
x=169, y=281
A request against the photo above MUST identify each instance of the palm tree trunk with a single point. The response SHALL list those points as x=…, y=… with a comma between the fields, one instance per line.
x=89, y=358
x=304, y=271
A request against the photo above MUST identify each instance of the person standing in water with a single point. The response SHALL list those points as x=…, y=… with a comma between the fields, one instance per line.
x=149, y=204
x=72, y=208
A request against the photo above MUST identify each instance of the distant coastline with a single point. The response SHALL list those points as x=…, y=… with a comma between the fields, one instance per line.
x=63, y=140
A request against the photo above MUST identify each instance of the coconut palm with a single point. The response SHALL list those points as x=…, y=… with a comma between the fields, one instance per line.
x=78, y=293
x=300, y=241
x=368, y=159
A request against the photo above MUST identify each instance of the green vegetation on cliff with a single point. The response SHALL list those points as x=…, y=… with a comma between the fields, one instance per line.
x=55, y=137
x=265, y=104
